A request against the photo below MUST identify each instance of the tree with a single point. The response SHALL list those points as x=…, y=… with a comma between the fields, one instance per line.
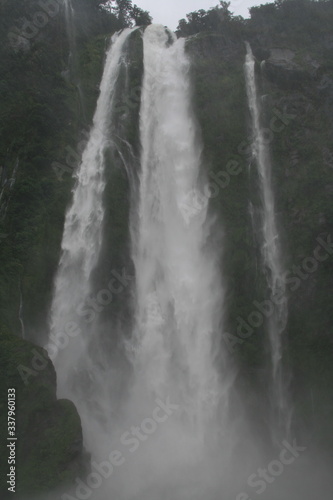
x=95, y=4
x=123, y=12
x=126, y=13
x=224, y=11
x=140, y=17
x=215, y=19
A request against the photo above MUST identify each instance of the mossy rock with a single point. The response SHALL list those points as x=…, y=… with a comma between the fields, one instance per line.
x=49, y=450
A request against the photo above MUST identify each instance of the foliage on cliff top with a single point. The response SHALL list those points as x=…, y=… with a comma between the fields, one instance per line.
x=281, y=21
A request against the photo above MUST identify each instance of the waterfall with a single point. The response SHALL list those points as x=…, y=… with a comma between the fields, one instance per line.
x=271, y=251
x=175, y=404
x=71, y=36
x=178, y=286
x=21, y=317
x=73, y=63
x=82, y=238
x=179, y=293
x=6, y=187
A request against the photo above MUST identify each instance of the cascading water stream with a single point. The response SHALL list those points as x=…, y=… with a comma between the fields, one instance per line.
x=178, y=286
x=73, y=64
x=69, y=16
x=21, y=317
x=82, y=236
x=71, y=35
x=271, y=251
x=178, y=297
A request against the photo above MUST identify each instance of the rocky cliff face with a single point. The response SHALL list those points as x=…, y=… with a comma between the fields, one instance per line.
x=49, y=449
x=295, y=85
x=43, y=132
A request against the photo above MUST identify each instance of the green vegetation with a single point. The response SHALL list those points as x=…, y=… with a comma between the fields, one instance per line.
x=300, y=85
x=49, y=437
x=44, y=111
x=47, y=103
